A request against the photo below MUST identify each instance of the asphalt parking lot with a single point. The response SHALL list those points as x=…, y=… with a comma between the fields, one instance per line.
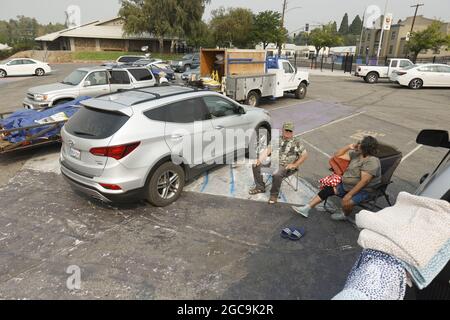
x=206, y=245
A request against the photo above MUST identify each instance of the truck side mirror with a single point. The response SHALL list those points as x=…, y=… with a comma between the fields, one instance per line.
x=87, y=83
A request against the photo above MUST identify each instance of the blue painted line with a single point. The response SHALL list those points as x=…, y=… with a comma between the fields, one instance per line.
x=205, y=182
x=283, y=197
x=232, y=184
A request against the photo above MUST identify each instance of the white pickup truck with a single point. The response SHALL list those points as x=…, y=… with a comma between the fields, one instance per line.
x=371, y=74
x=281, y=77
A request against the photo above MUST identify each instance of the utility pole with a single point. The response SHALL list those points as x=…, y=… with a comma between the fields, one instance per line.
x=362, y=31
x=282, y=24
x=417, y=6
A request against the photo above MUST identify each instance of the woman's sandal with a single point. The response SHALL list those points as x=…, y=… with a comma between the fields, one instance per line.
x=254, y=191
x=273, y=200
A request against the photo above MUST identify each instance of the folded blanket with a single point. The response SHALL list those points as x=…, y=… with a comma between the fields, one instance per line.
x=416, y=230
x=375, y=276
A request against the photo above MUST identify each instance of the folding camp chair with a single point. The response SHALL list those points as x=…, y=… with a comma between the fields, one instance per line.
x=390, y=158
x=268, y=171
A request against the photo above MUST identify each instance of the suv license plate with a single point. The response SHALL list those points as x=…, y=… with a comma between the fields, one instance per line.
x=74, y=153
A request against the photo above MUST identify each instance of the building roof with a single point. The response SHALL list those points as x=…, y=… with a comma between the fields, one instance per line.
x=108, y=29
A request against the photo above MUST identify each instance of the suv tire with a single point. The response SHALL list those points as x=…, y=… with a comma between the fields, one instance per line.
x=165, y=185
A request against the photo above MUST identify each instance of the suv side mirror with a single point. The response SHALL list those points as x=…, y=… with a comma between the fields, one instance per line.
x=87, y=83
x=434, y=138
x=240, y=110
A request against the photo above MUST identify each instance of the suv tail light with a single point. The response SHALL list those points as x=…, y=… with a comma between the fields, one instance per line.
x=116, y=152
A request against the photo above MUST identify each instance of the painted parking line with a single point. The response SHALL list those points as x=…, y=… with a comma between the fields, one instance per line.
x=411, y=153
x=309, y=115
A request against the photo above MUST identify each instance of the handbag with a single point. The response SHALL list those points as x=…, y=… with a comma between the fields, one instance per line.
x=339, y=165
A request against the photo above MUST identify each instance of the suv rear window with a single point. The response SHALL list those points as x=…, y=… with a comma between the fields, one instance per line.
x=95, y=124
x=141, y=74
x=185, y=111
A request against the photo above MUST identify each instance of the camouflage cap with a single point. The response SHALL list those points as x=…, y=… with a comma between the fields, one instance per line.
x=288, y=126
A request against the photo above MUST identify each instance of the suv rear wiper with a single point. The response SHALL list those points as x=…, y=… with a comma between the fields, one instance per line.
x=84, y=134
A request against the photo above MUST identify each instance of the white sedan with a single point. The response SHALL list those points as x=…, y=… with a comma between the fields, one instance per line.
x=425, y=75
x=23, y=67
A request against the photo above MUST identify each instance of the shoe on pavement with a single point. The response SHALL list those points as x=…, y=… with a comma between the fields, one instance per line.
x=302, y=210
x=338, y=217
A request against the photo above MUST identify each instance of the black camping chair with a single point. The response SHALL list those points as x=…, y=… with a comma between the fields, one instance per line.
x=390, y=159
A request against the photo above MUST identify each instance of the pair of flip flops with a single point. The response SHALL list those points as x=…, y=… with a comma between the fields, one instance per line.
x=293, y=234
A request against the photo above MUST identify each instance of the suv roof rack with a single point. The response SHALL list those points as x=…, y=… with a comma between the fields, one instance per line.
x=155, y=95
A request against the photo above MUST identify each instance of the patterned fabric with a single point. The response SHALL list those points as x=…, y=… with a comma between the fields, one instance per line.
x=375, y=276
x=416, y=230
x=331, y=181
x=290, y=150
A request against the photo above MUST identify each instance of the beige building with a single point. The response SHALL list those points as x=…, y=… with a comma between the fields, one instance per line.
x=394, y=41
x=101, y=36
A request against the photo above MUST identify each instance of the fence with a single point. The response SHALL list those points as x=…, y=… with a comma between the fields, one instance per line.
x=349, y=63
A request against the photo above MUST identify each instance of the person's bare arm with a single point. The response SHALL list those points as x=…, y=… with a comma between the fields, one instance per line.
x=299, y=162
x=264, y=155
x=365, y=180
x=344, y=152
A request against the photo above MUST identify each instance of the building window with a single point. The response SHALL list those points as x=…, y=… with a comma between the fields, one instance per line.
x=394, y=35
x=391, y=49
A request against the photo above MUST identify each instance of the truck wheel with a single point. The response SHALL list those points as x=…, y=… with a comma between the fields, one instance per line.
x=166, y=185
x=372, y=77
x=416, y=84
x=300, y=93
x=39, y=72
x=253, y=98
x=2, y=73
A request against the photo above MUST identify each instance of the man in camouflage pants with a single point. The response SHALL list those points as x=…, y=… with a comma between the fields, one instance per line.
x=292, y=155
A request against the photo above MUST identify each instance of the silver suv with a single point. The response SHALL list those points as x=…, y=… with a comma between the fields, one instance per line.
x=91, y=82
x=139, y=144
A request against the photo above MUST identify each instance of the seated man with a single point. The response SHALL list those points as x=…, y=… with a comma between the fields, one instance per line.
x=364, y=172
x=292, y=154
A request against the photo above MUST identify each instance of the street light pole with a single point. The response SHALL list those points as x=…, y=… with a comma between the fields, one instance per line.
x=382, y=31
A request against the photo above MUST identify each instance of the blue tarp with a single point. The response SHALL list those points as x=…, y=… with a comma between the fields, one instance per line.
x=27, y=118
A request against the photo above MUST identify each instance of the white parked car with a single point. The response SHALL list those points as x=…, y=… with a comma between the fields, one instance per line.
x=426, y=75
x=23, y=67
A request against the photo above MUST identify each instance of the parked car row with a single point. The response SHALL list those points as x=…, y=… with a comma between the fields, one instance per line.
x=405, y=73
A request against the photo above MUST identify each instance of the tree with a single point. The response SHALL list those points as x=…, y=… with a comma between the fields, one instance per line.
x=324, y=37
x=334, y=26
x=162, y=18
x=343, y=29
x=233, y=27
x=201, y=37
x=267, y=28
x=356, y=26
x=430, y=38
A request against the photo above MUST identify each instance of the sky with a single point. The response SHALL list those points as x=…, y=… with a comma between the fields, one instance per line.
x=311, y=11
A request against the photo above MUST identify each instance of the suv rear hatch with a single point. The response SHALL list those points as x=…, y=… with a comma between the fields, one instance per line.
x=89, y=128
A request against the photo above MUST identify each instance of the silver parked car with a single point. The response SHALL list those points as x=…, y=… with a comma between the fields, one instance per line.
x=136, y=144
x=91, y=82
